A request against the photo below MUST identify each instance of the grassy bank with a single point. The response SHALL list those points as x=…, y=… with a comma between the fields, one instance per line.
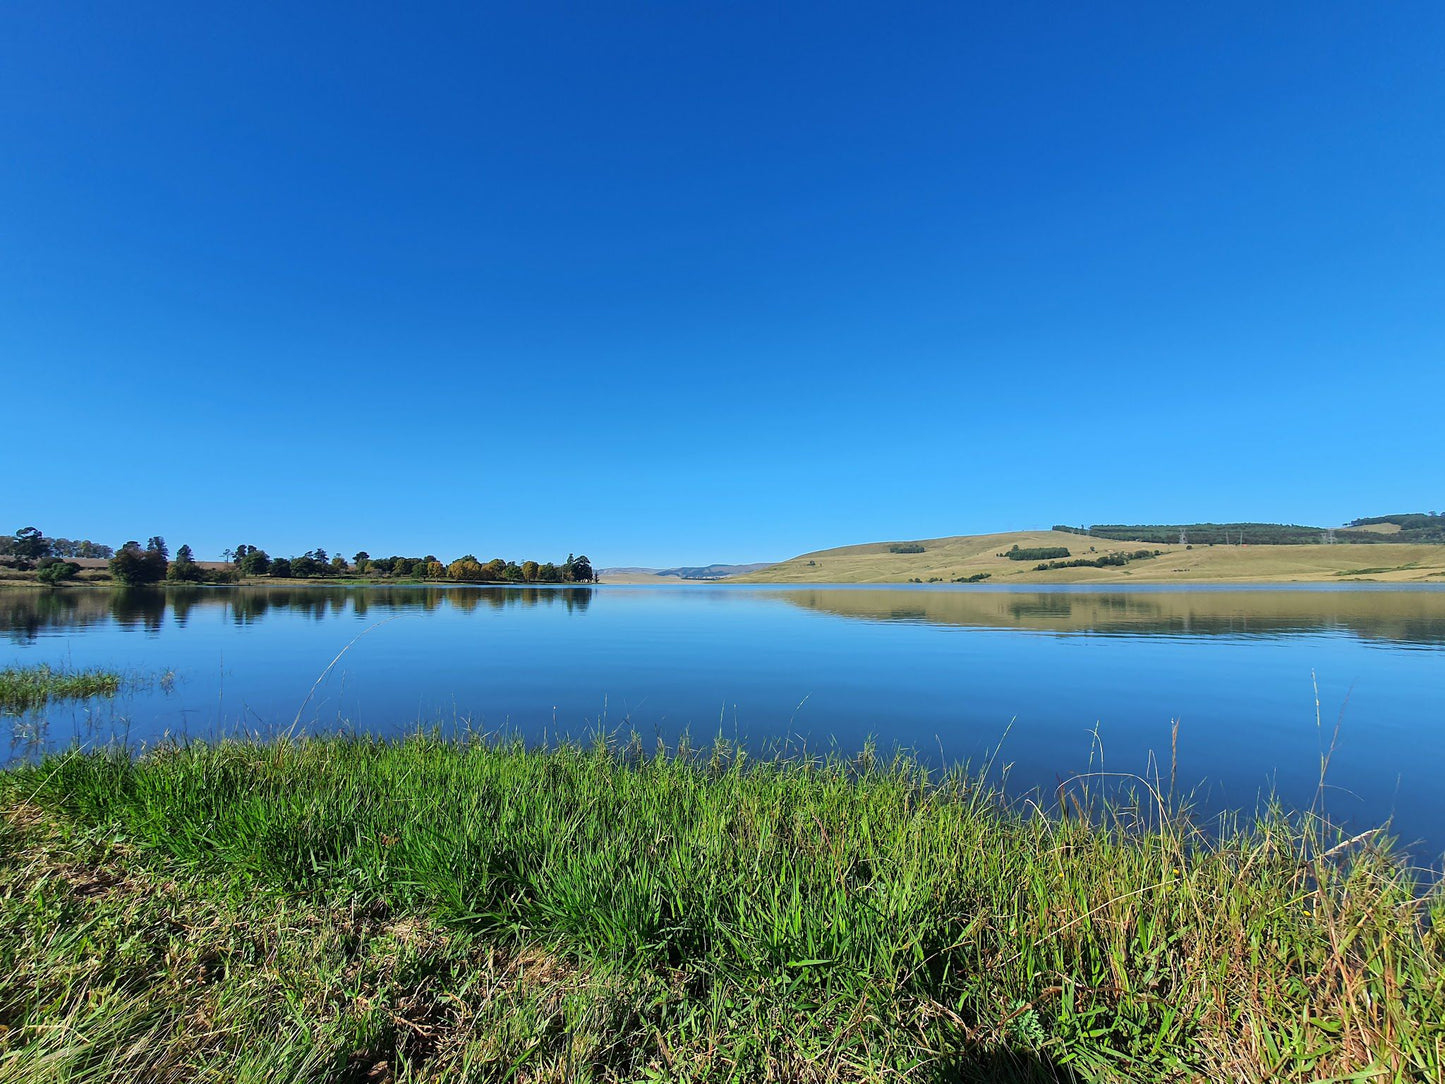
x=348, y=910
x=23, y=688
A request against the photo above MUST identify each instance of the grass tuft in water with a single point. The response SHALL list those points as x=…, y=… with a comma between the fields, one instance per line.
x=424, y=910
x=23, y=688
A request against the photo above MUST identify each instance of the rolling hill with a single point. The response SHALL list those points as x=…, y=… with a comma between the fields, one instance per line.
x=983, y=558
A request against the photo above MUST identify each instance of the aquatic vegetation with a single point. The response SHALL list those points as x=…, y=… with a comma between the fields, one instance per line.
x=23, y=688
x=348, y=909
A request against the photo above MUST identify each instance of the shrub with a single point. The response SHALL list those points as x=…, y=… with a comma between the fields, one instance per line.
x=53, y=571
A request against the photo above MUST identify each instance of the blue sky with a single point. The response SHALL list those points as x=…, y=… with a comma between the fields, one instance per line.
x=688, y=282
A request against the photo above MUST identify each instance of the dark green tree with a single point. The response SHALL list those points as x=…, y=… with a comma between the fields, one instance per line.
x=133, y=566
x=254, y=563
x=30, y=544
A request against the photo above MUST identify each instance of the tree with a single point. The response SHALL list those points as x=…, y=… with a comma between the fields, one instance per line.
x=281, y=567
x=256, y=562
x=362, y=561
x=30, y=544
x=582, y=570
x=183, y=556
x=466, y=568
x=529, y=571
x=157, y=544
x=338, y=564
x=133, y=566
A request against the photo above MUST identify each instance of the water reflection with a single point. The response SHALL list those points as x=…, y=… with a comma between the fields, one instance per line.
x=25, y=613
x=1412, y=616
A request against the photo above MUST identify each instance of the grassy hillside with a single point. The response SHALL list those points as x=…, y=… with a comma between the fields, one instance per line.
x=964, y=556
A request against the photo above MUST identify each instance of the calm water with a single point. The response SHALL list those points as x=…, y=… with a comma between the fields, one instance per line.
x=951, y=672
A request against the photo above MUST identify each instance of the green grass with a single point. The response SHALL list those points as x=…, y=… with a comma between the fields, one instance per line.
x=357, y=910
x=23, y=688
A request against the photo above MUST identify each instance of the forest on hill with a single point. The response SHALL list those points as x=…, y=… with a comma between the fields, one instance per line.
x=1414, y=527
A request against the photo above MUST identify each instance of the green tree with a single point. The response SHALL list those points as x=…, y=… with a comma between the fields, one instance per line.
x=281, y=567
x=157, y=544
x=362, y=561
x=256, y=562
x=529, y=571
x=183, y=556
x=133, y=566
x=30, y=544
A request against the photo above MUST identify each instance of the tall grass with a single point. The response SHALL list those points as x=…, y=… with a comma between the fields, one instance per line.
x=603, y=913
x=23, y=688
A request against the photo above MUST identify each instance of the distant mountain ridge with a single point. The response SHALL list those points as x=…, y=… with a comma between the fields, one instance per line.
x=685, y=572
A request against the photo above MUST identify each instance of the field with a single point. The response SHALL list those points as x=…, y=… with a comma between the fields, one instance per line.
x=352, y=910
x=948, y=559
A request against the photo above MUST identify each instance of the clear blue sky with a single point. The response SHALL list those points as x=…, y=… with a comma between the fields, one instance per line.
x=681, y=282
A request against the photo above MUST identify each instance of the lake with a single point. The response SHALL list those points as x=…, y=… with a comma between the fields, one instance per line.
x=1045, y=681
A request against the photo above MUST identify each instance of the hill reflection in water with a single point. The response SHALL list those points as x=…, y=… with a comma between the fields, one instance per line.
x=1401, y=616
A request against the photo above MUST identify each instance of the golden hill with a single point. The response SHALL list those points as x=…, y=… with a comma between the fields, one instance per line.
x=948, y=559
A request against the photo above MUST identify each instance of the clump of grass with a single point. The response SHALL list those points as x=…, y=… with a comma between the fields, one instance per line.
x=23, y=688
x=350, y=909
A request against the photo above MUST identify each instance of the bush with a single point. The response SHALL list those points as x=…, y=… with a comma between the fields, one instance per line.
x=53, y=571
x=906, y=547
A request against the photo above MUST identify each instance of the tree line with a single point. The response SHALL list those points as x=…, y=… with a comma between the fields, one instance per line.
x=1413, y=527
x=134, y=564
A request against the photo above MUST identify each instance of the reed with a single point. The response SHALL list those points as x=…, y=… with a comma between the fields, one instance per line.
x=23, y=688
x=349, y=909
